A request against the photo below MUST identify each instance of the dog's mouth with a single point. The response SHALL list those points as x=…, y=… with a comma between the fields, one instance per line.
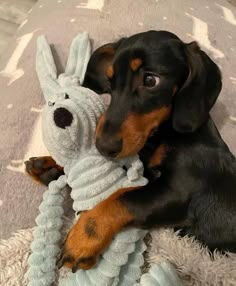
x=132, y=135
x=132, y=143
x=131, y=147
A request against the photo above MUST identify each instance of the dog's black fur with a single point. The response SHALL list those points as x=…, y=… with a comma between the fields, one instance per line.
x=197, y=187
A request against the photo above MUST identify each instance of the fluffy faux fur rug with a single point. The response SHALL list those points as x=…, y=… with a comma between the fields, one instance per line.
x=14, y=254
x=193, y=262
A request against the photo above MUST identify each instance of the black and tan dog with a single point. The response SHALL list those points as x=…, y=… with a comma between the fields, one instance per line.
x=161, y=93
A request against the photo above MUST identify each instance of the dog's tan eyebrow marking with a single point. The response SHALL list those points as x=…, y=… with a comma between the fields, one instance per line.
x=135, y=64
x=110, y=72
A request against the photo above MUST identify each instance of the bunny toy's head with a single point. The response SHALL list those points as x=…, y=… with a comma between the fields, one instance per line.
x=71, y=112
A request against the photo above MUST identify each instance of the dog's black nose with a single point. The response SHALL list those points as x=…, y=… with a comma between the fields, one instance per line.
x=109, y=147
x=62, y=117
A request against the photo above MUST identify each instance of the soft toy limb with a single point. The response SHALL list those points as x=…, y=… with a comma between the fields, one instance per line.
x=162, y=274
x=47, y=236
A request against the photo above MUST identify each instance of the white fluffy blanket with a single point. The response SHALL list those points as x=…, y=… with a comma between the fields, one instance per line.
x=193, y=262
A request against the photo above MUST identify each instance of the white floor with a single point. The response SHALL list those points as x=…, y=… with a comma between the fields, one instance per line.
x=12, y=14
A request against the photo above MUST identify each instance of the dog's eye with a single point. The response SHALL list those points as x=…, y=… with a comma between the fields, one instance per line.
x=151, y=80
x=67, y=96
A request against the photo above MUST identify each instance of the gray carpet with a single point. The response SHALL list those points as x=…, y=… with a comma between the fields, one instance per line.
x=12, y=14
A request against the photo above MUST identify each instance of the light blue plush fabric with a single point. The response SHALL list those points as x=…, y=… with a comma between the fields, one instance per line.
x=92, y=177
x=162, y=274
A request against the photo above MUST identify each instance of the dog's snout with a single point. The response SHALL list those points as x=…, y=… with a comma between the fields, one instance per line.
x=62, y=117
x=109, y=147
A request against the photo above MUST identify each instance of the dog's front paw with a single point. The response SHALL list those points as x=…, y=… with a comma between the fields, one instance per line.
x=43, y=169
x=84, y=243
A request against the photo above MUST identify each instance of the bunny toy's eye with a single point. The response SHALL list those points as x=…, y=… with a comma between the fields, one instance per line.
x=67, y=96
x=51, y=103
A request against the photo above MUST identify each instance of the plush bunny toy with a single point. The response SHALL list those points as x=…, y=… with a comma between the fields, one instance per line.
x=69, y=120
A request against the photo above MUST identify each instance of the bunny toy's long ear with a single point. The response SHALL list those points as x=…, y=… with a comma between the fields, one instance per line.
x=79, y=55
x=46, y=69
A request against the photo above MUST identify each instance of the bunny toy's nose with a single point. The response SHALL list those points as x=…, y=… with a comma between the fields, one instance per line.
x=62, y=117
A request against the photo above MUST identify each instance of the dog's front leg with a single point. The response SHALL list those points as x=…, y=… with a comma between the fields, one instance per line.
x=140, y=206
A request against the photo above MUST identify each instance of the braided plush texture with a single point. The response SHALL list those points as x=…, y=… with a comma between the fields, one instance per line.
x=162, y=274
x=47, y=236
x=92, y=177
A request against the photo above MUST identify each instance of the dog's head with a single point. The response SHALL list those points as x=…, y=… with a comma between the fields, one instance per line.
x=153, y=77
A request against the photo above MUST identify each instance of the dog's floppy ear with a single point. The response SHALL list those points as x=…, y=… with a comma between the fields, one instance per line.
x=198, y=94
x=95, y=77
